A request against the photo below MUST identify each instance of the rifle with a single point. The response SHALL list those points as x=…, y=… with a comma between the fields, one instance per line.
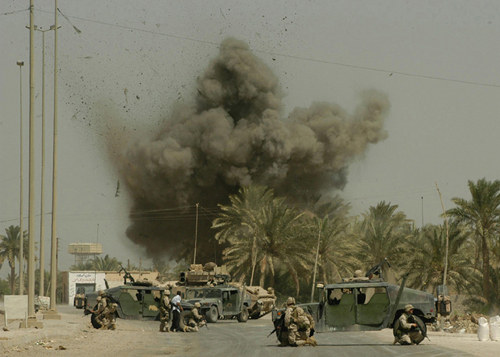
x=375, y=270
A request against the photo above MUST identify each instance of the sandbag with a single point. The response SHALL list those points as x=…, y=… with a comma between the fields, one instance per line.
x=483, y=330
x=495, y=328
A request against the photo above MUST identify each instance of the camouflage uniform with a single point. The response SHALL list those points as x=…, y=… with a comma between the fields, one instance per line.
x=298, y=324
x=408, y=332
x=165, y=311
x=195, y=320
x=108, y=322
x=102, y=308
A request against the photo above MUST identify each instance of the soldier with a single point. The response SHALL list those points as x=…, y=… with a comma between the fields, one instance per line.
x=195, y=319
x=298, y=325
x=102, y=307
x=165, y=311
x=108, y=322
x=408, y=332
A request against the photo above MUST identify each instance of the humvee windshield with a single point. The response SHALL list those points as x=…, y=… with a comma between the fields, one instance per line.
x=203, y=294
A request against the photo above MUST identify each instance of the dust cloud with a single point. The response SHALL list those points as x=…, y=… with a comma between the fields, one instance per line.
x=235, y=134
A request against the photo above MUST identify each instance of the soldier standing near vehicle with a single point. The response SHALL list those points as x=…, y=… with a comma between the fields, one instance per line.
x=408, y=332
x=195, y=319
x=165, y=311
x=176, y=311
x=298, y=325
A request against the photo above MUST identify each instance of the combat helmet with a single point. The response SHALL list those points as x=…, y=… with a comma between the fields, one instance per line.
x=197, y=305
x=408, y=307
x=290, y=301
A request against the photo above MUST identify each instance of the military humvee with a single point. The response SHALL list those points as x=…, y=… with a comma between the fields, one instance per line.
x=363, y=304
x=218, y=302
x=257, y=301
x=135, y=300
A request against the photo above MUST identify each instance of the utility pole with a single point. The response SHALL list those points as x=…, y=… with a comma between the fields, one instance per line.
x=31, y=204
x=21, y=235
x=320, y=225
x=446, y=246
x=53, y=254
x=196, y=234
x=41, y=291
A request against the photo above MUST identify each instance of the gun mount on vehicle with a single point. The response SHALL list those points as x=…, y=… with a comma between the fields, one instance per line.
x=364, y=304
x=135, y=299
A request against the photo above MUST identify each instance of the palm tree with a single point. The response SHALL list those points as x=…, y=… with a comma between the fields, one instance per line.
x=9, y=249
x=425, y=257
x=106, y=263
x=336, y=251
x=238, y=224
x=281, y=243
x=482, y=214
x=382, y=233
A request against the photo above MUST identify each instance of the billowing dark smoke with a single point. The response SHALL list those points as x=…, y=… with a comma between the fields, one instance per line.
x=235, y=135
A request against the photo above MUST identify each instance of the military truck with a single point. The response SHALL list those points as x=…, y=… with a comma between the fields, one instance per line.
x=135, y=300
x=218, y=302
x=363, y=304
x=257, y=301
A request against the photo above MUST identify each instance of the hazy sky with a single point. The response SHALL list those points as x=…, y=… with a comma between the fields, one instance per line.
x=438, y=63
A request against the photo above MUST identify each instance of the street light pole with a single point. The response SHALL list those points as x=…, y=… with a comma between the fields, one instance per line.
x=21, y=238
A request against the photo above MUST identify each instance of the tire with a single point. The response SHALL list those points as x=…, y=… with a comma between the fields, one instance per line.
x=420, y=324
x=212, y=314
x=243, y=315
x=184, y=319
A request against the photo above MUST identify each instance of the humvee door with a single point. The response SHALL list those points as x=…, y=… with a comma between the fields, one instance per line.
x=366, y=306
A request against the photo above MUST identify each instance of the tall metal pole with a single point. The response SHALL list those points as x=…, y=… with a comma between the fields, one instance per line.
x=21, y=237
x=196, y=234
x=53, y=253
x=31, y=207
x=320, y=225
x=41, y=290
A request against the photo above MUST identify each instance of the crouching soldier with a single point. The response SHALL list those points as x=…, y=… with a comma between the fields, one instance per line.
x=408, y=332
x=195, y=319
x=298, y=324
x=108, y=322
x=165, y=311
x=102, y=308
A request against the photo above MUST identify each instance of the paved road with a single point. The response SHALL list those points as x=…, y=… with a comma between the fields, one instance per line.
x=230, y=338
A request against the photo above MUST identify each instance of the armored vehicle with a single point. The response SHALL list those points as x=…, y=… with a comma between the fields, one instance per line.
x=218, y=302
x=257, y=300
x=135, y=300
x=363, y=304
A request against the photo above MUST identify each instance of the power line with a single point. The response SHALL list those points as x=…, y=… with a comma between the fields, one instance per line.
x=13, y=12
x=288, y=56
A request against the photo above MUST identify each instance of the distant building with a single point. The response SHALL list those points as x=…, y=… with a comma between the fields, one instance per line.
x=96, y=280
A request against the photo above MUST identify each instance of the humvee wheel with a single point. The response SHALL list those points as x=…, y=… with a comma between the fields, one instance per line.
x=212, y=314
x=184, y=319
x=243, y=315
x=419, y=322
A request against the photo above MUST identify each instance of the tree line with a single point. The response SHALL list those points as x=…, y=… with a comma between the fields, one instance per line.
x=272, y=243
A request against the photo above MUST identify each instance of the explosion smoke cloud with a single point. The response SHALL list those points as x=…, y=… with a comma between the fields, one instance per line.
x=235, y=135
